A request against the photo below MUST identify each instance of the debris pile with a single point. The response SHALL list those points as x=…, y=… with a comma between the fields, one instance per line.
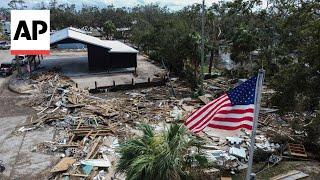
x=232, y=153
x=89, y=128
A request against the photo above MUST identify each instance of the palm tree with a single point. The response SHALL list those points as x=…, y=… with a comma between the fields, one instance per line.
x=160, y=156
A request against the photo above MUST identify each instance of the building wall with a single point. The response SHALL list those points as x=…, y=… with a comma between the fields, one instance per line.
x=97, y=58
x=122, y=60
x=100, y=60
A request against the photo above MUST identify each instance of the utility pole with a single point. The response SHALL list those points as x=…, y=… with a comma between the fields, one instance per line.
x=202, y=46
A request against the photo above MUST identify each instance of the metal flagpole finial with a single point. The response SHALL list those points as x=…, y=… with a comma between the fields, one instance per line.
x=262, y=70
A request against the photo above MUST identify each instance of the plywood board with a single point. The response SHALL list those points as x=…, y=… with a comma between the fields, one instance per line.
x=63, y=165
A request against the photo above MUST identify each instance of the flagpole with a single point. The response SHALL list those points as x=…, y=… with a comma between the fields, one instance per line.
x=257, y=102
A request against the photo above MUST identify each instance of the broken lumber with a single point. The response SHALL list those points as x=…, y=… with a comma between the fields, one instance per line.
x=291, y=175
x=63, y=165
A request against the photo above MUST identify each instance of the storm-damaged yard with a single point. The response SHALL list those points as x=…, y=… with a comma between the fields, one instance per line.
x=161, y=91
x=66, y=131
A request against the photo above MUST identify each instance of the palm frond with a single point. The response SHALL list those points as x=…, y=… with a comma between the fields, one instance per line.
x=158, y=156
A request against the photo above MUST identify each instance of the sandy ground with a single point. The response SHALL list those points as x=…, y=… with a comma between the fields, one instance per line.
x=75, y=65
x=16, y=150
x=11, y=103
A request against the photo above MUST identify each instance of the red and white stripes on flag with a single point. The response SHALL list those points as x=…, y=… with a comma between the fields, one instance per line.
x=221, y=114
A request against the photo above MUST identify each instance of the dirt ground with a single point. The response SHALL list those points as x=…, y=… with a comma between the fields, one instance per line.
x=10, y=103
x=16, y=150
x=312, y=168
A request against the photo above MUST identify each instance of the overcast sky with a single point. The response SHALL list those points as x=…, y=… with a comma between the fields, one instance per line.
x=172, y=4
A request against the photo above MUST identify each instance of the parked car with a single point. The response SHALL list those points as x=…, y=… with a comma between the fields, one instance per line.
x=4, y=45
x=6, y=69
x=22, y=59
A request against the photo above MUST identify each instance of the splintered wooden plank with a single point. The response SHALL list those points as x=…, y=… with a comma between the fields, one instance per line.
x=204, y=99
x=299, y=154
x=75, y=175
x=94, y=146
x=226, y=178
x=291, y=175
x=63, y=165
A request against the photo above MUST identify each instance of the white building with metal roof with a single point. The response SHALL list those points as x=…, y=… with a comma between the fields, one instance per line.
x=102, y=54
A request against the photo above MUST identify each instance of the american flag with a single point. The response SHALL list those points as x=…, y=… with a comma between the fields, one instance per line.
x=231, y=111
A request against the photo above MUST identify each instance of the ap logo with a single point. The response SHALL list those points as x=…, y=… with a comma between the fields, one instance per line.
x=30, y=32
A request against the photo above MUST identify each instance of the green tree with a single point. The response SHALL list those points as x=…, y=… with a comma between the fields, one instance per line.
x=192, y=48
x=214, y=34
x=159, y=156
x=53, y=4
x=141, y=35
x=1, y=35
x=285, y=36
x=313, y=133
x=243, y=42
x=109, y=29
x=17, y=4
x=42, y=6
x=297, y=55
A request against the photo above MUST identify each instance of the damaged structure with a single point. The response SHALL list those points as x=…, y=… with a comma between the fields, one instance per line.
x=103, y=55
x=90, y=127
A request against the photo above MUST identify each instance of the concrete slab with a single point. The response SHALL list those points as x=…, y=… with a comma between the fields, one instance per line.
x=75, y=65
x=9, y=151
x=15, y=150
x=7, y=125
x=70, y=66
x=29, y=163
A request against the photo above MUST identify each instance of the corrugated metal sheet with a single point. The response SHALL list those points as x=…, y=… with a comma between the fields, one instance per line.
x=119, y=47
x=72, y=33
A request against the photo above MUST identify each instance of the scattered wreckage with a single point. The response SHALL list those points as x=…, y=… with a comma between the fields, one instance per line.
x=89, y=128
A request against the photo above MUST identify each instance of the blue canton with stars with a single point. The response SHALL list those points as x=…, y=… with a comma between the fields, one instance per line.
x=244, y=93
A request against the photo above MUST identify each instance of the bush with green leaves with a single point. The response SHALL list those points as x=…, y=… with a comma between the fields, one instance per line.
x=312, y=142
x=171, y=154
x=297, y=88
